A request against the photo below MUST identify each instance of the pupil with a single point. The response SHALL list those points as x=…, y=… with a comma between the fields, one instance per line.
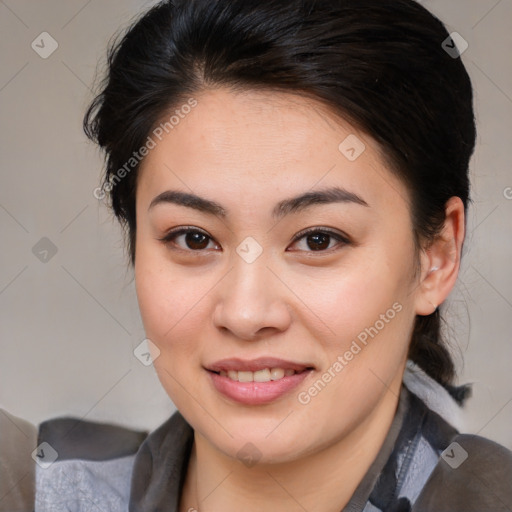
x=194, y=241
x=320, y=236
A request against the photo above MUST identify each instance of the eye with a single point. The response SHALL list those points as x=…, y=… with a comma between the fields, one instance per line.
x=194, y=239
x=319, y=239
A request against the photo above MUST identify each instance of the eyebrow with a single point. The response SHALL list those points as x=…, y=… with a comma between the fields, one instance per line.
x=283, y=208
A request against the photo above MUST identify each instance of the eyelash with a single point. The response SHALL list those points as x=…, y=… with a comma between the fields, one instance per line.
x=174, y=233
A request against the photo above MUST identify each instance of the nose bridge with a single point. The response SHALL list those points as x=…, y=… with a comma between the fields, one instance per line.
x=250, y=280
x=250, y=298
x=250, y=270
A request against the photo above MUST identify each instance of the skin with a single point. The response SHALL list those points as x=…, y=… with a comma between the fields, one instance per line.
x=247, y=151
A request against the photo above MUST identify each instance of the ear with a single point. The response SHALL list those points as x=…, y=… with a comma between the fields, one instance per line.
x=440, y=261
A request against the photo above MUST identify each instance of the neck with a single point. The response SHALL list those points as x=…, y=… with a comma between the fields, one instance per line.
x=320, y=482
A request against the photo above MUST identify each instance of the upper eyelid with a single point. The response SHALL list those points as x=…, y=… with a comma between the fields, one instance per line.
x=329, y=231
x=183, y=230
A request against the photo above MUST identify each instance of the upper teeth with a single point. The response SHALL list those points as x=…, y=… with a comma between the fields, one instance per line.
x=265, y=375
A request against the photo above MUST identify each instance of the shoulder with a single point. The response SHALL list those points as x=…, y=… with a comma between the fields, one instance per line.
x=82, y=464
x=17, y=476
x=472, y=474
x=160, y=465
x=459, y=472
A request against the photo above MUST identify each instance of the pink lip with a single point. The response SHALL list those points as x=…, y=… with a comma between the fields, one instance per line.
x=256, y=364
x=257, y=393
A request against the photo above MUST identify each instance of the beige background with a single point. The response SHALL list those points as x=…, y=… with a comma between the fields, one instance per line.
x=69, y=326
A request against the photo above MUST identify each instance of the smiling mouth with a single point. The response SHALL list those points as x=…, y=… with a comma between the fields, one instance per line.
x=259, y=387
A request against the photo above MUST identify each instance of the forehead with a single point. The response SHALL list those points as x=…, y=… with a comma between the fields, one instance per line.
x=265, y=142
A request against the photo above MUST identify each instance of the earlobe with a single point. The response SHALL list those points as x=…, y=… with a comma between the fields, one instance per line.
x=441, y=261
x=425, y=304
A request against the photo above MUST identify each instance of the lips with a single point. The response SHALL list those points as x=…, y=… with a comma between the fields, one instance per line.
x=254, y=365
x=247, y=381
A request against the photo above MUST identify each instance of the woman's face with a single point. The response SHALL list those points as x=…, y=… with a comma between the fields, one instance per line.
x=247, y=284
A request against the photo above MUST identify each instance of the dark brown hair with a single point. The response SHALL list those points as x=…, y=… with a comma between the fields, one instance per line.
x=379, y=65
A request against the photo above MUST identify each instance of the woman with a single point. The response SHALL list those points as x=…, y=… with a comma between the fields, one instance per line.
x=293, y=178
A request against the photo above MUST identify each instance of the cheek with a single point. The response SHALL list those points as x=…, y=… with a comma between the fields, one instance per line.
x=350, y=299
x=369, y=329
x=366, y=319
x=161, y=296
x=170, y=310
x=173, y=306
x=166, y=304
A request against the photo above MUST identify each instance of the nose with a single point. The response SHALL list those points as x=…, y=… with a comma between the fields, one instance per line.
x=252, y=301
